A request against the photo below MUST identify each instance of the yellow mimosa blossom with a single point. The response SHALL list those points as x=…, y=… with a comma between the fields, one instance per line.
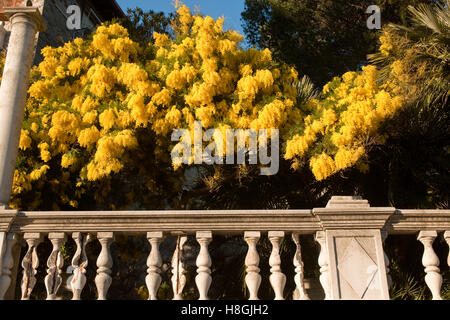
x=88, y=136
x=322, y=166
x=25, y=140
x=107, y=119
x=67, y=160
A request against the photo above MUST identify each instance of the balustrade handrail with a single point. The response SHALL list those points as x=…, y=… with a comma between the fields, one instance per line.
x=402, y=221
x=407, y=221
x=217, y=221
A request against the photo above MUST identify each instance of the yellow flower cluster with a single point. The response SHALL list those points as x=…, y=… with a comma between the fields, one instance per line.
x=322, y=166
x=386, y=44
x=346, y=122
x=25, y=140
x=113, y=43
x=217, y=82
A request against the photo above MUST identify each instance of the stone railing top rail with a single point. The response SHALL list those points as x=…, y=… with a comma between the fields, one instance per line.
x=227, y=221
x=411, y=220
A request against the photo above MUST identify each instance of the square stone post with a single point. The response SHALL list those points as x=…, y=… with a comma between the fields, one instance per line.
x=25, y=22
x=356, y=267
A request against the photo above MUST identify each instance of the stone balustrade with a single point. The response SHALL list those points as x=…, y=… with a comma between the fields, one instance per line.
x=349, y=232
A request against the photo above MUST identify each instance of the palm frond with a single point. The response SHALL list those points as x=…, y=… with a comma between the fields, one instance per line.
x=427, y=17
x=306, y=90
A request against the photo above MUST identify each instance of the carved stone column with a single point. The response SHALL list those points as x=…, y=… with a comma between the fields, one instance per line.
x=253, y=278
x=355, y=255
x=203, y=279
x=277, y=278
x=25, y=22
x=178, y=271
x=55, y=263
x=30, y=263
x=430, y=261
x=104, y=264
x=447, y=239
x=299, y=269
x=7, y=264
x=79, y=264
x=154, y=263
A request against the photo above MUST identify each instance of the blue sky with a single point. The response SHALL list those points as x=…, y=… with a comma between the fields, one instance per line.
x=230, y=9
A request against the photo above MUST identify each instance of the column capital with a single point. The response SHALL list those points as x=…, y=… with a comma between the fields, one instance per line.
x=352, y=213
x=32, y=12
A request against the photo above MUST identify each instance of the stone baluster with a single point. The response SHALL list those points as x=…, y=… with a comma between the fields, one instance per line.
x=447, y=239
x=431, y=263
x=203, y=279
x=299, y=268
x=79, y=263
x=323, y=263
x=104, y=264
x=384, y=236
x=30, y=263
x=154, y=264
x=7, y=264
x=178, y=272
x=277, y=278
x=253, y=278
x=55, y=263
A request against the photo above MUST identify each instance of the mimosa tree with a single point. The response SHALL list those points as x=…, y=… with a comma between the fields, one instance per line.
x=101, y=111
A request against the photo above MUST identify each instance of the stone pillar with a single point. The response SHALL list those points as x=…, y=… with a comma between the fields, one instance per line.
x=356, y=262
x=25, y=22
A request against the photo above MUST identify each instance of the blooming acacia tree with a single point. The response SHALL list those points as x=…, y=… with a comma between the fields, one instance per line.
x=101, y=112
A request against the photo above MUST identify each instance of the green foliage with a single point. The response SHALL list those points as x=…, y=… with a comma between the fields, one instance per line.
x=322, y=38
x=416, y=158
x=142, y=24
